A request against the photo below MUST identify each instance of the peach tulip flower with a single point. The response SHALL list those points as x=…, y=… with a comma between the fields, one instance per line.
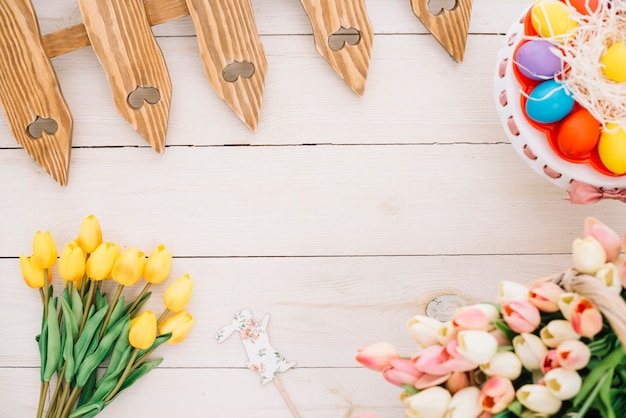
x=471, y=319
x=573, y=354
x=521, y=316
x=377, y=356
x=607, y=237
x=586, y=318
x=457, y=381
x=545, y=296
x=496, y=394
x=550, y=361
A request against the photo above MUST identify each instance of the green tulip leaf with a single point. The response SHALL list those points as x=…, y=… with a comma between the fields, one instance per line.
x=87, y=392
x=109, y=380
x=53, y=355
x=504, y=329
x=42, y=342
x=604, y=398
x=411, y=390
x=139, y=372
x=117, y=313
x=77, y=306
x=598, y=373
x=70, y=329
x=88, y=408
x=157, y=342
x=93, y=360
x=92, y=327
x=141, y=302
x=101, y=300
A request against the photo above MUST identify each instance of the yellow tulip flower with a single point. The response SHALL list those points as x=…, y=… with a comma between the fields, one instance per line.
x=32, y=273
x=44, y=250
x=179, y=325
x=129, y=267
x=100, y=263
x=90, y=234
x=72, y=262
x=178, y=294
x=143, y=330
x=158, y=265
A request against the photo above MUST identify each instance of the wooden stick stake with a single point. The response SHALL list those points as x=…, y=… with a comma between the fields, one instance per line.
x=36, y=111
x=343, y=36
x=290, y=404
x=232, y=54
x=450, y=27
x=134, y=64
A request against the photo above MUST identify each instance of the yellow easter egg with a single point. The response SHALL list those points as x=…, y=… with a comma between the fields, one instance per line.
x=612, y=148
x=614, y=62
x=551, y=18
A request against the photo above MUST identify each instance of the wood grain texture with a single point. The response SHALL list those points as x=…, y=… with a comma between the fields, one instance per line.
x=227, y=37
x=27, y=95
x=130, y=55
x=450, y=27
x=328, y=17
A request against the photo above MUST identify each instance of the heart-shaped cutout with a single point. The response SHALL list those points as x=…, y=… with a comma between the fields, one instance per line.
x=142, y=95
x=339, y=39
x=437, y=6
x=236, y=69
x=41, y=125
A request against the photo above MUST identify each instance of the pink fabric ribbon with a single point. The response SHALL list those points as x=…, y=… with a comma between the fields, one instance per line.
x=584, y=194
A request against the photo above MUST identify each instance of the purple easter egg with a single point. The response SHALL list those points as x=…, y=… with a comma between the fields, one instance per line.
x=536, y=60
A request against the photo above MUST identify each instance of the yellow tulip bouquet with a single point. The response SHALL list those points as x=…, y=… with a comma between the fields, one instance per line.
x=83, y=328
x=551, y=348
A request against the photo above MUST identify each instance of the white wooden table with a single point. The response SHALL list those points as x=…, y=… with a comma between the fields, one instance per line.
x=343, y=217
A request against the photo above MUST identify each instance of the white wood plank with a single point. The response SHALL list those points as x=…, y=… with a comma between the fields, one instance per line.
x=232, y=393
x=288, y=17
x=322, y=309
x=415, y=94
x=278, y=201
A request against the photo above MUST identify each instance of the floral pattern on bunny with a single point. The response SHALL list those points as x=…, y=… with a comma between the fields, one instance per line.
x=256, y=342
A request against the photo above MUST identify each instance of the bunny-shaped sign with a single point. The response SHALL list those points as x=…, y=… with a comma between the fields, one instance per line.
x=262, y=357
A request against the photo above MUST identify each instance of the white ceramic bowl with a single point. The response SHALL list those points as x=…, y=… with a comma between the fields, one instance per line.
x=532, y=144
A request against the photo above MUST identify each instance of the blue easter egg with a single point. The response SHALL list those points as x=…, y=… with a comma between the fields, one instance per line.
x=549, y=102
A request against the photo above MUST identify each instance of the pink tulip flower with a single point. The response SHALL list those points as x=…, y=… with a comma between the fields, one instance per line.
x=573, y=354
x=496, y=394
x=608, y=238
x=470, y=319
x=432, y=360
x=545, y=297
x=401, y=372
x=455, y=362
x=457, y=381
x=586, y=318
x=521, y=316
x=377, y=356
x=550, y=361
x=425, y=380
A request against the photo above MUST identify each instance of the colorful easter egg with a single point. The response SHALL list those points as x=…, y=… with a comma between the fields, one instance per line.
x=551, y=18
x=586, y=7
x=538, y=59
x=612, y=148
x=549, y=102
x=578, y=134
x=614, y=62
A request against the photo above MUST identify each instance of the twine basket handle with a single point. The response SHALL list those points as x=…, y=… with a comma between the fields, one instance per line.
x=611, y=305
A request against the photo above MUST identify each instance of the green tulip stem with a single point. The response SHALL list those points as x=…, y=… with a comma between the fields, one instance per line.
x=143, y=292
x=120, y=382
x=82, y=287
x=65, y=411
x=164, y=315
x=118, y=293
x=86, y=308
x=55, y=396
x=42, y=398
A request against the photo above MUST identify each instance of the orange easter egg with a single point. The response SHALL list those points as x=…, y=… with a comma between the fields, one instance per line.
x=586, y=7
x=578, y=134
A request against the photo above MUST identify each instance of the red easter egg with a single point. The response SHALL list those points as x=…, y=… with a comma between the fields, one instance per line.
x=585, y=7
x=578, y=134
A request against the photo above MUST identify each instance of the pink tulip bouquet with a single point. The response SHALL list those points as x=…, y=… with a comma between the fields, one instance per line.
x=551, y=348
x=84, y=329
